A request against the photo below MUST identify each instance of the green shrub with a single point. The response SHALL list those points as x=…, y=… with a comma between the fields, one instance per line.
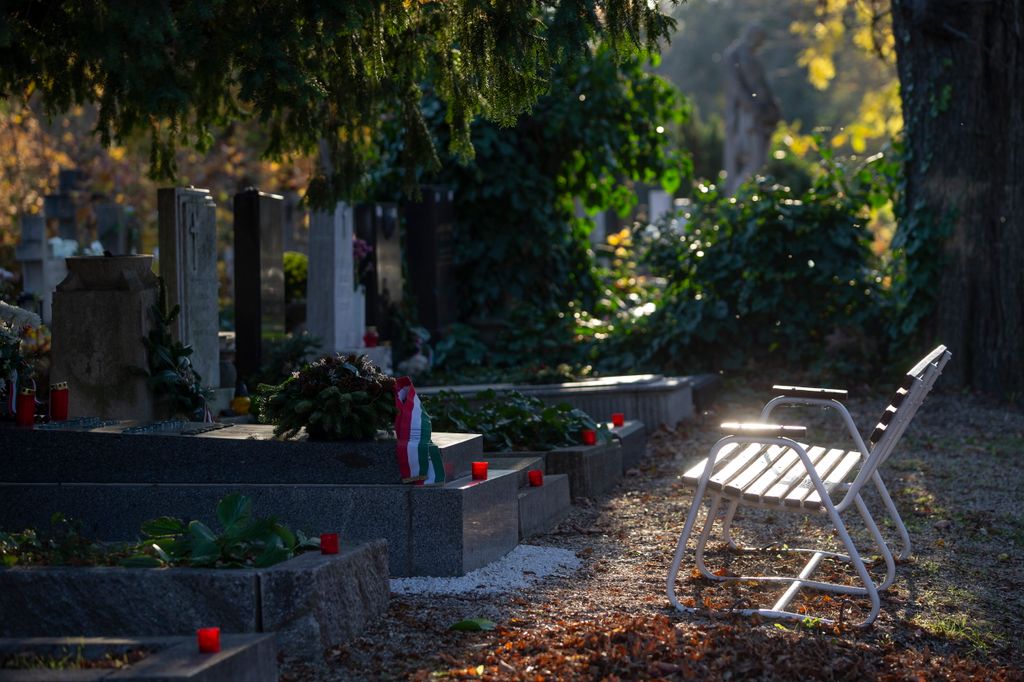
x=336, y=397
x=510, y=421
x=296, y=272
x=767, y=271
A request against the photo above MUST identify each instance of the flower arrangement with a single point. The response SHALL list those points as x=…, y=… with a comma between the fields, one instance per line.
x=16, y=324
x=336, y=397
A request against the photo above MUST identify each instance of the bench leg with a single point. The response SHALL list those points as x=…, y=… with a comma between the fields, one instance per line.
x=890, y=507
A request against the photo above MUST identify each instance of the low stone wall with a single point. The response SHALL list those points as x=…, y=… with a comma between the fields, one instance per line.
x=312, y=602
x=652, y=399
x=592, y=469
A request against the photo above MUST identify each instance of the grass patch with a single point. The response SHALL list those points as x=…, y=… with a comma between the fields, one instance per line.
x=978, y=637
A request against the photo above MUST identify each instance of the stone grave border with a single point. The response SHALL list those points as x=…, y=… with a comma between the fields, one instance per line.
x=652, y=399
x=312, y=601
x=242, y=657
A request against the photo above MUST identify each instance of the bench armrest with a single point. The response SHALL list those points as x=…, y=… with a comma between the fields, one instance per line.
x=761, y=429
x=810, y=392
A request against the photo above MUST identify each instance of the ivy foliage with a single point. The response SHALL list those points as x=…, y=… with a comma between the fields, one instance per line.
x=768, y=271
x=511, y=420
x=315, y=74
x=175, y=383
x=518, y=239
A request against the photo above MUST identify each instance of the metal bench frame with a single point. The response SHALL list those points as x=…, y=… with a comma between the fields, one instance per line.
x=883, y=440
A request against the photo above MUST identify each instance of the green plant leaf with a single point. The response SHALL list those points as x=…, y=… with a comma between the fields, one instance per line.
x=473, y=625
x=163, y=526
x=233, y=511
x=141, y=561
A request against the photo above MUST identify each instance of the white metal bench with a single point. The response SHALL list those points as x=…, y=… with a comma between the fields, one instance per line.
x=767, y=465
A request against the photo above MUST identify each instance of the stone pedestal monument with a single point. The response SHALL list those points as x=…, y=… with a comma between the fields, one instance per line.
x=188, y=265
x=101, y=312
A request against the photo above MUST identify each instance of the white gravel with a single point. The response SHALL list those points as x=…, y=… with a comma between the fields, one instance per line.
x=522, y=567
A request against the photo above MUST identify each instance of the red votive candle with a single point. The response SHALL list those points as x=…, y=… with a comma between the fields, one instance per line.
x=589, y=436
x=26, y=414
x=209, y=640
x=479, y=471
x=618, y=419
x=328, y=543
x=59, y=401
x=536, y=477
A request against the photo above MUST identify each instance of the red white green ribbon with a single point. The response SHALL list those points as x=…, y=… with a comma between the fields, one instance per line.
x=419, y=460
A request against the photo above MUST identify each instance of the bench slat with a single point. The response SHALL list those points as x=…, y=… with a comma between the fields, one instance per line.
x=776, y=471
x=796, y=473
x=754, y=468
x=824, y=466
x=835, y=477
x=692, y=475
x=737, y=463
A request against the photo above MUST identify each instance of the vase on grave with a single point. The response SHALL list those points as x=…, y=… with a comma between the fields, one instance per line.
x=101, y=312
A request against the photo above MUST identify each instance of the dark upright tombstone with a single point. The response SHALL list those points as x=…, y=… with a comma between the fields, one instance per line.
x=259, y=277
x=429, y=225
x=377, y=224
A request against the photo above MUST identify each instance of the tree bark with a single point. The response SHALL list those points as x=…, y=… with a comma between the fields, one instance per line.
x=961, y=71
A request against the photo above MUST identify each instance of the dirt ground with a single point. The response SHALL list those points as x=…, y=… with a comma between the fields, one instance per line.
x=953, y=612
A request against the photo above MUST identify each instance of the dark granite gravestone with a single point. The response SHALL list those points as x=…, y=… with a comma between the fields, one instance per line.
x=429, y=224
x=377, y=224
x=259, y=277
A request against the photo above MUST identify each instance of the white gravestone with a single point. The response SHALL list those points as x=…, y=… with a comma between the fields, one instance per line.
x=188, y=265
x=335, y=306
x=41, y=269
x=659, y=203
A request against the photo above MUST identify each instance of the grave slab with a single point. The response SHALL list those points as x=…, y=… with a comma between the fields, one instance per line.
x=313, y=601
x=592, y=470
x=242, y=657
x=543, y=507
x=632, y=435
x=184, y=452
x=653, y=399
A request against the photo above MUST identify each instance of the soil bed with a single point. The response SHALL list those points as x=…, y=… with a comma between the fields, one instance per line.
x=953, y=612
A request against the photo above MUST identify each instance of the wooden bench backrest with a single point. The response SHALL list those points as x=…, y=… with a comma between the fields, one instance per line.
x=900, y=412
x=919, y=380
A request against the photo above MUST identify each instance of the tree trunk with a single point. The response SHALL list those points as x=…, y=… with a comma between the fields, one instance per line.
x=961, y=71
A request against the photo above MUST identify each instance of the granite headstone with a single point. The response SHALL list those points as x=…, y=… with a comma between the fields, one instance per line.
x=188, y=265
x=259, y=277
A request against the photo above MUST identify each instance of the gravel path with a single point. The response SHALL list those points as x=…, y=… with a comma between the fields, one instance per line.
x=953, y=613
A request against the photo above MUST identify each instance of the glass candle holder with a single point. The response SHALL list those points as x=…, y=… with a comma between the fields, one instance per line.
x=618, y=418
x=59, y=401
x=328, y=543
x=26, y=404
x=479, y=470
x=209, y=640
x=536, y=477
x=589, y=436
